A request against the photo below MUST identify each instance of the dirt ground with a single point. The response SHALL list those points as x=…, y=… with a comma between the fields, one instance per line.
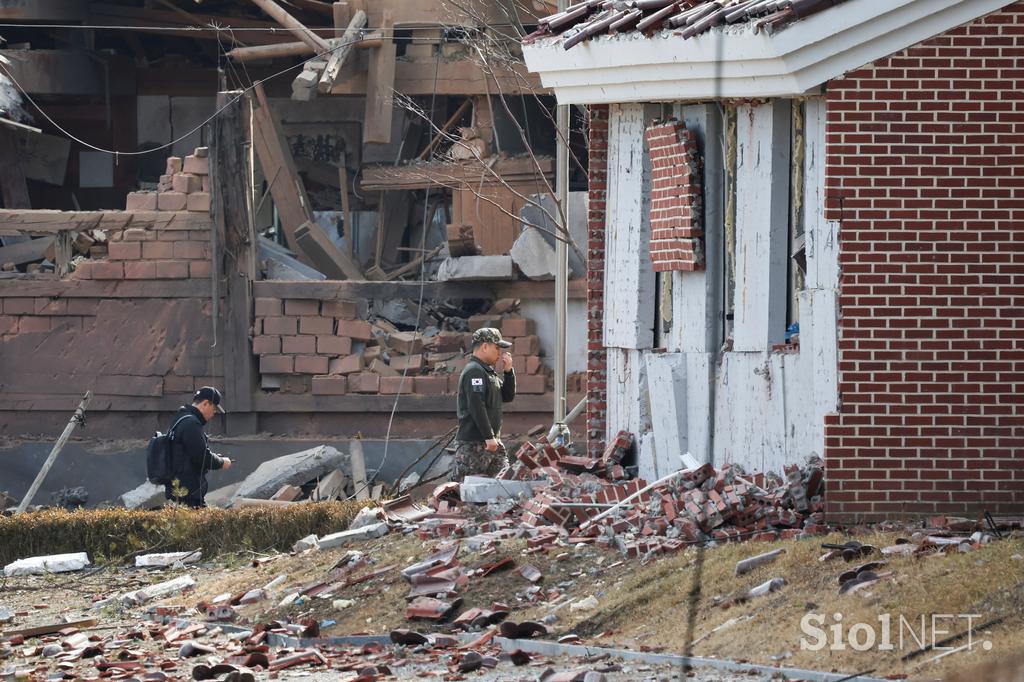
x=658, y=606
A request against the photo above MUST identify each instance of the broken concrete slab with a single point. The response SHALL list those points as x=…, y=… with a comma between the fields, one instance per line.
x=481, y=489
x=331, y=487
x=472, y=268
x=367, y=516
x=747, y=565
x=308, y=542
x=145, y=496
x=294, y=469
x=375, y=530
x=164, y=589
x=167, y=559
x=534, y=256
x=53, y=563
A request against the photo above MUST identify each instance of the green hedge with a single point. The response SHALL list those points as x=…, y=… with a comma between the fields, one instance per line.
x=116, y=533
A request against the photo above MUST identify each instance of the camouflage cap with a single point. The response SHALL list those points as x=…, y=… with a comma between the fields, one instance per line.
x=490, y=335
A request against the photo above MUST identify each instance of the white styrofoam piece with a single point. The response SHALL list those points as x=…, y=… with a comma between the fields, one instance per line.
x=53, y=563
x=167, y=559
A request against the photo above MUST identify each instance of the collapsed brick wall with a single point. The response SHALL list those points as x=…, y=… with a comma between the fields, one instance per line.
x=119, y=337
x=597, y=363
x=923, y=169
x=676, y=213
x=323, y=347
x=153, y=245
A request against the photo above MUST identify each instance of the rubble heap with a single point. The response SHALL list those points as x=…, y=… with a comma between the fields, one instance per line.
x=587, y=500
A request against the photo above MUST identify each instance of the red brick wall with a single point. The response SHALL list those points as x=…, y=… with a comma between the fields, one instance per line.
x=924, y=173
x=676, y=213
x=596, y=360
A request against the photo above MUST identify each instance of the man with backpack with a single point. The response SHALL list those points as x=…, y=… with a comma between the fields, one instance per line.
x=191, y=458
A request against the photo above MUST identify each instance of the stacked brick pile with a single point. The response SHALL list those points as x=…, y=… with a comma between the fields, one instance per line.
x=677, y=228
x=309, y=345
x=184, y=187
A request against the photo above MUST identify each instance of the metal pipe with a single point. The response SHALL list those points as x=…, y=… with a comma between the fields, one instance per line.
x=77, y=418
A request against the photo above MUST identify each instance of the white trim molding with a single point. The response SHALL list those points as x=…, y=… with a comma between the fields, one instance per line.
x=733, y=61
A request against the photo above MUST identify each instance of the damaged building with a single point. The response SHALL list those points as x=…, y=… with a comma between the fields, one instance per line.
x=311, y=205
x=802, y=231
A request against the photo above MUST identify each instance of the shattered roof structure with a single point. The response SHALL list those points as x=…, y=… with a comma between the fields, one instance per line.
x=687, y=17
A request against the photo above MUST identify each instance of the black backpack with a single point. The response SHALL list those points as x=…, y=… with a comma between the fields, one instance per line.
x=160, y=455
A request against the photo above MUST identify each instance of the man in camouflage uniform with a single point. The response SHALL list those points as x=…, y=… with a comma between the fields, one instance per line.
x=486, y=384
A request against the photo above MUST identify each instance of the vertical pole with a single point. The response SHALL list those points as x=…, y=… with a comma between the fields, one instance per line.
x=561, y=258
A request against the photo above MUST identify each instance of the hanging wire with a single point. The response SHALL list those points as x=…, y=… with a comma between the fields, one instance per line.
x=7, y=72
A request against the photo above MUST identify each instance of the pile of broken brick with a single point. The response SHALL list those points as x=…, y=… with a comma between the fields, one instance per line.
x=583, y=500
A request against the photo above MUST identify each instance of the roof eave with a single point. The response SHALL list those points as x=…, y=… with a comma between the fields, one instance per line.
x=731, y=63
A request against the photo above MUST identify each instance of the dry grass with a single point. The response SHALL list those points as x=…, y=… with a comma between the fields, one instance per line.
x=117, y=533
x=650, y=607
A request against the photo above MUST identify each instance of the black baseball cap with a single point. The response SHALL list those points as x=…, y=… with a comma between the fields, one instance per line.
x=211, y=394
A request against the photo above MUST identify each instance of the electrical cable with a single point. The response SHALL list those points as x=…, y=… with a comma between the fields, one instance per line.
x=427, y=219
x=115, y=153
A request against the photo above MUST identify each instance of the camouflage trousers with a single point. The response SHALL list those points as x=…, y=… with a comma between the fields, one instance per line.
x=472, y=459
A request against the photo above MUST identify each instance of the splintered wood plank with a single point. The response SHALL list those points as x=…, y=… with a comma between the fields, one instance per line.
x=380, y=86
x=629, y=276
x=229, y=170
x=278, y=164
x=762, y=224
x=25, y=252
x=341, y=48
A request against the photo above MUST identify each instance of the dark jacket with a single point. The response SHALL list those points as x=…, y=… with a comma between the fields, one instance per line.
x=191, y=457
x=481, y=396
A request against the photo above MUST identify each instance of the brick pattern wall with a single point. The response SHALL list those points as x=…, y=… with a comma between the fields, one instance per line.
x=597, y=363
x=924, y=174
x=677, y=229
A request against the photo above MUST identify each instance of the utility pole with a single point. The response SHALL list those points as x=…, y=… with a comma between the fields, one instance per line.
x=562, y=261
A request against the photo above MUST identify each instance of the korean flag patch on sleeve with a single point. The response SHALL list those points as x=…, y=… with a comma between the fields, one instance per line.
x=477, y=383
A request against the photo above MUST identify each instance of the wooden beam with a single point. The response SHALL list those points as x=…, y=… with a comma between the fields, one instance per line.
x=25, y=252
x=452, y=174
x=282, y=50
x=340, y=50
x=326, y=257
x=294, y=26
x=380, y=84
x=229, y=169
x=288, y=192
